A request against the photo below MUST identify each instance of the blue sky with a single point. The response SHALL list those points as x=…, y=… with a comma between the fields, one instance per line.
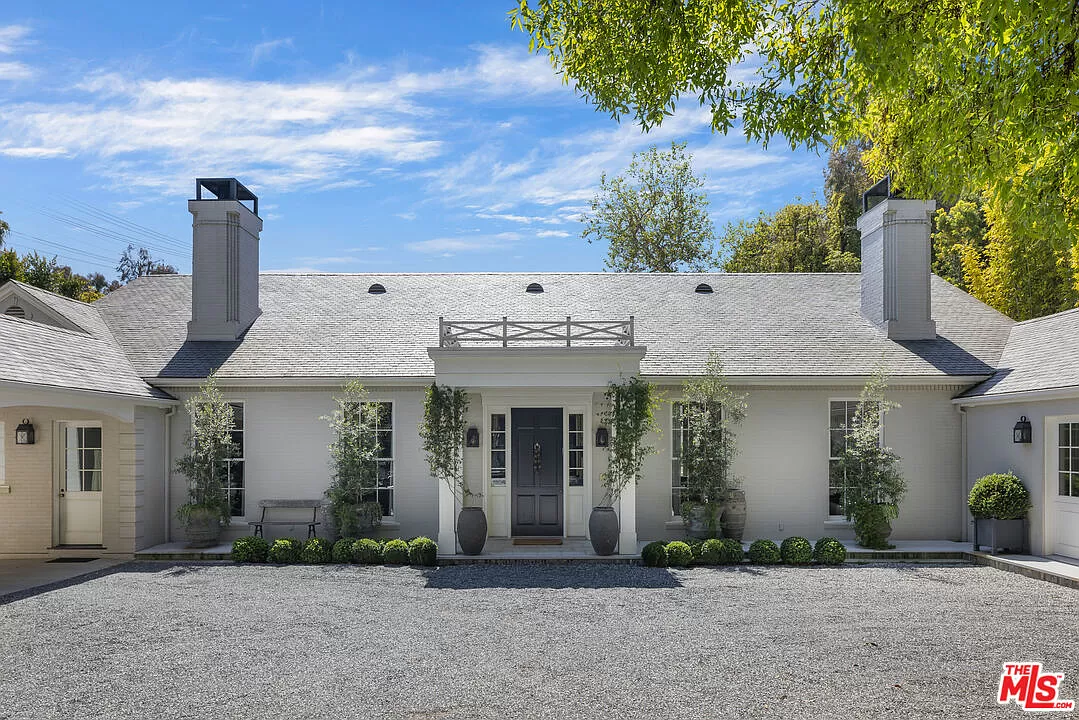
x=378, y=136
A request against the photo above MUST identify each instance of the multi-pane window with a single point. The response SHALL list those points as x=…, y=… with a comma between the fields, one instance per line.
x=383, y=423
x=82, y=459
x=679, y=439
x=498, y=449
x=576, y=450
x=233, y=470
x=1068, y=469
x=840, y=422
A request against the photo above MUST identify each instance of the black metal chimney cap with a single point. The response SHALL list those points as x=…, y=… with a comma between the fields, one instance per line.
x=226, y=189
x=879, y=192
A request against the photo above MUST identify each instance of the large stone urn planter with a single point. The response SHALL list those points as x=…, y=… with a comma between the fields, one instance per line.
x=603, y=530
x=999, y=535
x=472, y=530
x=202, y=528
x=734, y=515
x=698, y=523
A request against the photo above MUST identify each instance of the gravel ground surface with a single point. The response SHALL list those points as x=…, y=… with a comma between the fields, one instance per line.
x=571, y=641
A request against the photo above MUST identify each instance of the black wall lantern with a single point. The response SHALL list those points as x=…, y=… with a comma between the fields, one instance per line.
x=1021, y=433
x=602, y=437
x=24, y=433
x=472, y=437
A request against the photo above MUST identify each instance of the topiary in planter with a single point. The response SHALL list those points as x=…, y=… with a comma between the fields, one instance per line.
x=395, y=552
x=342, y=550
x=285, y=551
x=764, y=552
x=679, y=554
x=422, y=551
x=367, y=552
x=654, y=554
x=796, y=551
x=829, y=551
x=711, y=552
x=872, y=526
x=250, y=550
x=1001, y=496
x=316, y=551
x=731, y=552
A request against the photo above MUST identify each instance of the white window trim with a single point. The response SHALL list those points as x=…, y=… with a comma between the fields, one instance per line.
x=243, y=457
x=392, y=458
x=673, y=457
x=830, y=519
x=3, y=444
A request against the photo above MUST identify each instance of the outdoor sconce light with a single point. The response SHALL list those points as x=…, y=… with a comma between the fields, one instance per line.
x=472, y=437
x=24, y=433
x=1021, y=433
x=602, y=437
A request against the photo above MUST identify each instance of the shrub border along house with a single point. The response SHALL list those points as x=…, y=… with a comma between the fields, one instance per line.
x=418, y=552
x=794, y=550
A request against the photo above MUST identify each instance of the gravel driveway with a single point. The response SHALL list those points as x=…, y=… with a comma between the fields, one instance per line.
x=217, y=641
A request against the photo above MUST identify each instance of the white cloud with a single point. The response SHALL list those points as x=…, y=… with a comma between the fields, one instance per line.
x=13, y=71
x=552, y=233
x=406, y=215
x=472, y=243
x=12, y=37
x=32, y=152
x=265, y=49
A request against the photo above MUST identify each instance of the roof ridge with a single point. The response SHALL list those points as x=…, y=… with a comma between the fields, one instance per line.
x=1028, y=321
x=47, y=326
x=35, y=288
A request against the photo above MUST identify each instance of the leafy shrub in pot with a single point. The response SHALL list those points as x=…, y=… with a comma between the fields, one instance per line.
x=711, y=552
x=1001, y=496
x=765, y=552
x=342, y=550
x=829, y=551
x=250, y=549
x=423, y=551
x=654, y=554
x=317, y=551
x=796, y=551
x=731, y=552
x=285, y=551
x=367, y=552
x=679, y=554
x=395, y=552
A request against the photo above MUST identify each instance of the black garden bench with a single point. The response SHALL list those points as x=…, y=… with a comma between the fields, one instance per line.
x=264, y=505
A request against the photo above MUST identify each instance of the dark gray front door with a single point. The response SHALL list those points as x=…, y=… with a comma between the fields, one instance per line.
x=537, y=471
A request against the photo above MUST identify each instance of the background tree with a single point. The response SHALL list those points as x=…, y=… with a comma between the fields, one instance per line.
x=845, y=180
x=4, y=227
x=135, y=264
x=796, y=238
x=957, y=227
x=952, y=96
x=654, y=217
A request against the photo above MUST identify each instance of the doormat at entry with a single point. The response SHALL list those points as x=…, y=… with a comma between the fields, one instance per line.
x=537, y=541
x=73, y=559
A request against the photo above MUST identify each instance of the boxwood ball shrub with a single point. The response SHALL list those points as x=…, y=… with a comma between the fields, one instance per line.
x=250, y=550
x=395, y=552
x=1002, y=496
x=796, y=551
x=342, y=551
x=367, y=551
x=286, y=550
x=696, y=547
x=730, y=552
x=654, y=554
x=829, y=551
x=317, y=551
x=711, y=552
x=679, y=554
x=423, y=551
x=764, y=552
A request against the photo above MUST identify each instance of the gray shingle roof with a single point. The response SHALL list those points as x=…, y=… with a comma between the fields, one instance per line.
x=55, y=357
x=327, y=325
x=1041, y=354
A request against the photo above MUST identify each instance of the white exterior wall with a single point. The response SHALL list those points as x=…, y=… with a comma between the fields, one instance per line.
x=990, y=450
x=149, y=495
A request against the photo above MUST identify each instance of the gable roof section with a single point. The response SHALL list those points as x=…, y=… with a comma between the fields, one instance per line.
x=329, y=326
x=51, y=356
x=1041, y=354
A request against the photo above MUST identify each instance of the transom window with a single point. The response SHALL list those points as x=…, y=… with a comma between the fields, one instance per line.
x=576, y=450
x=1068, y=469
x=679, y=439
x=498, y=449
x=233, y=470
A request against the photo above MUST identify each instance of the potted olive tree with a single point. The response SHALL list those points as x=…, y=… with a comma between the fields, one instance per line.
x=209, y=444
x=630, y=414
x=353, y=491
x=711, y=410
x=874, y=482
x=999, y=504
x=442, y=431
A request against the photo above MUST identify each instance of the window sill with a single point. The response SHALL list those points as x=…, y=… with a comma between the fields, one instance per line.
x=389, y=524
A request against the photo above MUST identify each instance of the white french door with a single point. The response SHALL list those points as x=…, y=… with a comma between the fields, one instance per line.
x=80, y=484
x=1062, y=487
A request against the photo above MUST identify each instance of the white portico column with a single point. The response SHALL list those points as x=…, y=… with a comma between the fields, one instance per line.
x=447, y=520
x=627, y=520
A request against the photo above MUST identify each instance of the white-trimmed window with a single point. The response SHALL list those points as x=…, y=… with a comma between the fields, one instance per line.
x=498, y=449
x=840, y=421
x=384, y=435
x=1068, y=468
x=233, y=475
x=576, y=450
x=2, y=438
x=679, y=438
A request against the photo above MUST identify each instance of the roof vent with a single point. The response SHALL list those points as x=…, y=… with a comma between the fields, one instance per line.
x=15, y=311
x=704, y=289
x=377, y=289
x=534, y=288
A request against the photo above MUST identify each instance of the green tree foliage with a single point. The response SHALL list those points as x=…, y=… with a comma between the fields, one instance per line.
x=353, y=460
x=654, y=217
x=443, y=432
x=845, y=179
x=4, y=227
x=208, y=443
x=957, y=229
x=795, y=238
x=952, y=96
x=137, y=263
x=630, y=413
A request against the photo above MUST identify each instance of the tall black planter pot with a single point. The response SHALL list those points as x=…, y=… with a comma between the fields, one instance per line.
x=472, y=530
x=603, y=530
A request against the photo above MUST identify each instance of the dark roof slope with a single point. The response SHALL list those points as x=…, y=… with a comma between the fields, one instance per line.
x=1041, y=354
x=328, y=325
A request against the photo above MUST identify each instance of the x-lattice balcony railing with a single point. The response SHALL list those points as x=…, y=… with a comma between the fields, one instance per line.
x=568, y=332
